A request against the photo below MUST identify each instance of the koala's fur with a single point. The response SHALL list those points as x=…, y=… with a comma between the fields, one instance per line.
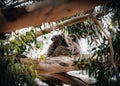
x=64, y=46
x=57, y=40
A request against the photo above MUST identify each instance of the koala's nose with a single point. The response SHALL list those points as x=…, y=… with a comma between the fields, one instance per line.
x=52, y=39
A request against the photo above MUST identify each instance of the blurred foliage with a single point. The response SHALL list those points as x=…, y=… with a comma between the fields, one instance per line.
x=42, y=57
x=16, y=46
x=98, y=65
x=87, y=29
x=12, y=73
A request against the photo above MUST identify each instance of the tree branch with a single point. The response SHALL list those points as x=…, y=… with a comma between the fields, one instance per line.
x=56, y=67
x=64, y=23
x=51, y=65
x=45, y=11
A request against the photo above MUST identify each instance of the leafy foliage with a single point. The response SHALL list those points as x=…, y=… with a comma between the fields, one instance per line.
x=14, y=47
x=99, y=65
x=12, y=73
x=16, y=44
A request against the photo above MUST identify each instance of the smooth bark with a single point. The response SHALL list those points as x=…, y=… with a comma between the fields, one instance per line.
x=44, y=11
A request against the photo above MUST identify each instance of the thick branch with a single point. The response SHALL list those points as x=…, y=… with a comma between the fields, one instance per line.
x=45, y=11
x=52, y=65
x=56, y=67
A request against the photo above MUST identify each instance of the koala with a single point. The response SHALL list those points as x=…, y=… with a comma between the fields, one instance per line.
x=57, y=40
x=64, y=46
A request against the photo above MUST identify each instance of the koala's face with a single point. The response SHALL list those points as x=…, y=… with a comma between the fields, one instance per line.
x=57, y=39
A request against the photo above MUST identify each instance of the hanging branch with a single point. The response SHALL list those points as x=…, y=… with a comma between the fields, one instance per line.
x=64, y=23
x=111, y=59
